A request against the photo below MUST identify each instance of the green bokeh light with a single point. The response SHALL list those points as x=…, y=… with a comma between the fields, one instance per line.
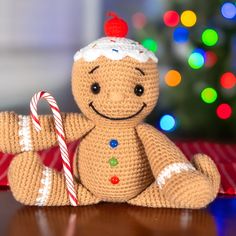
x=150, y=44
x=196, y=60
x=210, y=37
x=209, y=95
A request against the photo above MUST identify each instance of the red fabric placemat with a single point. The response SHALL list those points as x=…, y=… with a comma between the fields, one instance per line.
x=224, y=156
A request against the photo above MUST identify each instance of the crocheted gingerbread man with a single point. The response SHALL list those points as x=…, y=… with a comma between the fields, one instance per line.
x=119, y=158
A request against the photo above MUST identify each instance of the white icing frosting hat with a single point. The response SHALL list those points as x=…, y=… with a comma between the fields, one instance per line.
x=115, y=46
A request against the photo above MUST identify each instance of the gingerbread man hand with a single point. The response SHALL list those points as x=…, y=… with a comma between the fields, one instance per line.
x=115, y=84
x=17, y=133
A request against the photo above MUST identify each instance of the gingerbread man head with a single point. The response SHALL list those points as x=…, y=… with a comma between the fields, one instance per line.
x=115, y=79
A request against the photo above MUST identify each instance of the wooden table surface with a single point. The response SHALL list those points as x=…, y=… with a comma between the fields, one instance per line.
x=115, y=219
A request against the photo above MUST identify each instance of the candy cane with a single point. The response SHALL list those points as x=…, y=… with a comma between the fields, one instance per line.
x=60, y=136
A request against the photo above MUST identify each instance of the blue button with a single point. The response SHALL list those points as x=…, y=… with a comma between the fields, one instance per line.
x=113, y=143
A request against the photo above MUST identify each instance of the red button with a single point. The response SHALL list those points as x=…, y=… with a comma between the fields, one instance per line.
x=114, y=180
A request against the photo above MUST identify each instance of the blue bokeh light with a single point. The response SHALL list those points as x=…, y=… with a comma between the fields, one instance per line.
x=200, y=51
x=181, y=35
x=167, y=123
x=228, y=10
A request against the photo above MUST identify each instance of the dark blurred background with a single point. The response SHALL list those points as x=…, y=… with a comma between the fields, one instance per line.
x=195, y=42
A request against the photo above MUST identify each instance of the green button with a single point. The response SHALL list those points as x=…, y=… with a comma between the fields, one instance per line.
x=113, y=161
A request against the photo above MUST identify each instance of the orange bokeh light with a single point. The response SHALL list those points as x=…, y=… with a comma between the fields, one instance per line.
x=173, y=78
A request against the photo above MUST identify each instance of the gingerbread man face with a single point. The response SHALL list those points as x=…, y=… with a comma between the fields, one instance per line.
x=115, y=91
x=115, y=79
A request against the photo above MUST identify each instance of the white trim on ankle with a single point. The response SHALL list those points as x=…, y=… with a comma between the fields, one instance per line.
x=44, y=191
x=171, y=169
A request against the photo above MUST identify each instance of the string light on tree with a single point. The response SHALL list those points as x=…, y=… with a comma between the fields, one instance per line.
x=172, y=78
x=150, y=44
x=188, y=18
x=201, y=51
x=228, y=10
x=209, y=95
x=224, y=111
x=181, y=35
x=139, y=20
x=210, y=59
x=196, y=60
x=168, y=123
x=210, y=37
x=228, y=80
x=171, y=18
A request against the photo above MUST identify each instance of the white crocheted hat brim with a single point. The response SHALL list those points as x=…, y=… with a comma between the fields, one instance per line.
x=115, y=49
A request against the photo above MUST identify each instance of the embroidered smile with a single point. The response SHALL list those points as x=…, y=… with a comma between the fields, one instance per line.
x=118, y=118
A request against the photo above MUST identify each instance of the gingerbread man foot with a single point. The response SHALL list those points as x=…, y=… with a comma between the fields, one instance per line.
x=206, y=166
x=190, y=189
x=40, y=185
x=25, y=172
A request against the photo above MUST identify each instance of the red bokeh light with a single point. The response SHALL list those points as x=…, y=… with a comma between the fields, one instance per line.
x=228, y=80
x=171, y=18
x=224, y=111
x=139, y=20
x=211, y=59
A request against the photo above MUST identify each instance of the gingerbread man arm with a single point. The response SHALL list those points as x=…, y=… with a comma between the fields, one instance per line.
x=17, y=133
x=165, y=158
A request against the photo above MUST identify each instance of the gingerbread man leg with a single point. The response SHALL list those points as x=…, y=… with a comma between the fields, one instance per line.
x=205, y=181
x=32, y=183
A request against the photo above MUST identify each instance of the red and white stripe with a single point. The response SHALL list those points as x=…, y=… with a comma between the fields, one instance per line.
x=60, y=136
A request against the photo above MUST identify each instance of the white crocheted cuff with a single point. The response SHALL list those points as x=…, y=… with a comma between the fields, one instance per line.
x=24, y=133
x=46, y=185
x=171, y=169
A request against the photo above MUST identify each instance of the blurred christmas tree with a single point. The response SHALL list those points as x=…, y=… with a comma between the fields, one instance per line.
x=196, y=45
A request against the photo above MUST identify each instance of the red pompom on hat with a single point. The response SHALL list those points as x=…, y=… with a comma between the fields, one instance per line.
x=115, y=27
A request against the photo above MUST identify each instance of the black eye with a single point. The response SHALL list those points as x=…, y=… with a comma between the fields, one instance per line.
x=95, y=88
x=138, y=90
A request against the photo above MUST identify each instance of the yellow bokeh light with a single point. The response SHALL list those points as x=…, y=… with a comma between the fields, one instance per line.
x=172, y=78
x=188, y=18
